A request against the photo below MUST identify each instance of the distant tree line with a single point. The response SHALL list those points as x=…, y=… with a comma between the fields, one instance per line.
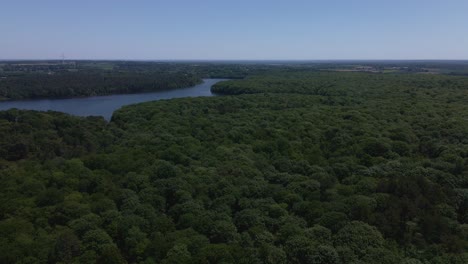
x=73, y=84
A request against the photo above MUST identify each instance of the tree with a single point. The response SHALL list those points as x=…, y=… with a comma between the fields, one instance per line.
x=359, y=237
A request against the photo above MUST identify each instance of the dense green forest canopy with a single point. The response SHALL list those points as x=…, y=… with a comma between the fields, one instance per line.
x=350, y=85
x=297, y=167
x=73, y=84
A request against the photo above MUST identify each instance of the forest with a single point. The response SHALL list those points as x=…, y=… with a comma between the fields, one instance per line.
x=61, y=79
x=54, y=79
x=288, y=165
x=79, y=84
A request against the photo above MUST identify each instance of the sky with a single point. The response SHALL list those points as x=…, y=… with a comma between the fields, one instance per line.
x=234, y=29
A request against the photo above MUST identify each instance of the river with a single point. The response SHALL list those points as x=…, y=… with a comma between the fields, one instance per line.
x=106, y=105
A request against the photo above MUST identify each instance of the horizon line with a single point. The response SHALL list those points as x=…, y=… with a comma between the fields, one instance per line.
x=234, y=60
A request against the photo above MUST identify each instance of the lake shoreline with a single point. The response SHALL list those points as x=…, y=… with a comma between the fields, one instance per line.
x=97, y=95
x=105, y=105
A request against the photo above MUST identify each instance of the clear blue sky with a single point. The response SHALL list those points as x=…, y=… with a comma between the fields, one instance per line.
x=235, y=29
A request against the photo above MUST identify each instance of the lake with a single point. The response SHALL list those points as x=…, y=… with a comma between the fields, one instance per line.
x=106, y=105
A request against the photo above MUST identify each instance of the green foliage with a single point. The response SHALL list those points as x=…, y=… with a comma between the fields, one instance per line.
x=315, y=167
x=359, y=237
x=84, y=83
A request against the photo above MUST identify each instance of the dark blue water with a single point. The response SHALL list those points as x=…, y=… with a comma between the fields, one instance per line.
x=106, y=105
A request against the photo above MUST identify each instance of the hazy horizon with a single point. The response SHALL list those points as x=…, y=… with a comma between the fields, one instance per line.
x=242, y=60
x=363, y=30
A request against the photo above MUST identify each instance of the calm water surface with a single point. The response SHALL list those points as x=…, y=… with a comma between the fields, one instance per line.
x=106, y=105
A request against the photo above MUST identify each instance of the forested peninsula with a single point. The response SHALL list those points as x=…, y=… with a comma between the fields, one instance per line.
x=288, y=166
x=81, y=84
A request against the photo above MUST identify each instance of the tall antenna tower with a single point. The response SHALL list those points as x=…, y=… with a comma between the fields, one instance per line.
x=63, y=58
